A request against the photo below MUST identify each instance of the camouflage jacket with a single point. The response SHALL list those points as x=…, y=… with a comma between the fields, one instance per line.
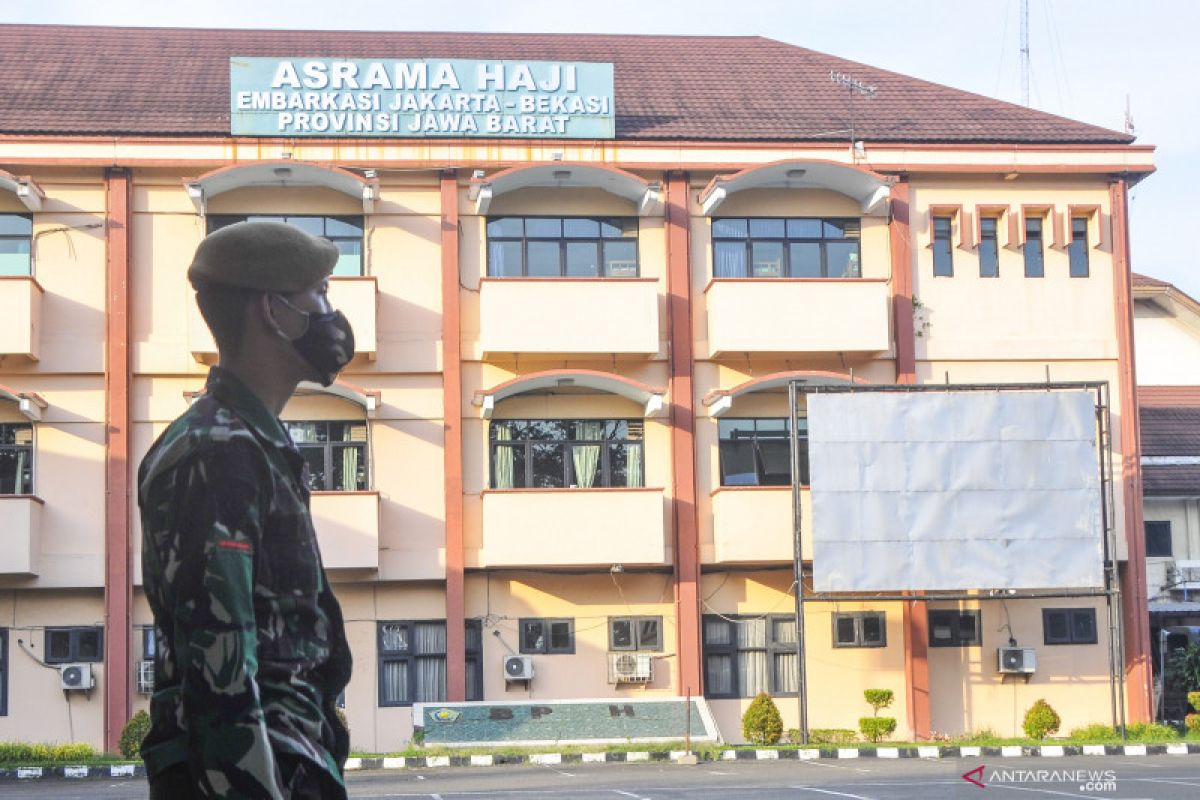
x=252, y=649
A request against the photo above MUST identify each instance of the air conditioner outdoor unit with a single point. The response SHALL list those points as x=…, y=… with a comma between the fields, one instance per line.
x=630, y=668
x=518, y=668
x=145, y=677
x=75, y=677
x=1017, y=660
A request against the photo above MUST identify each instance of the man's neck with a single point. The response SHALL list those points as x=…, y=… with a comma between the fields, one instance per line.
x=266, y=383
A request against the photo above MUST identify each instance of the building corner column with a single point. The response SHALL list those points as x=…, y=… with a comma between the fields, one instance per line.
x=118, y=588
x=915, y=614
x=683, y=423
x=1134, y=603
x=456, y=631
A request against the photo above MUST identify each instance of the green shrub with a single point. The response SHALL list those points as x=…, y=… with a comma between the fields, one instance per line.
x=1183, y=669
x=761, y=724
x=131, y=736
x=1151, y=732
x=879, y=698
x=984, y=735
x=831, y=735
x=1093, y=732
x=1041, y=720
x=876, y=728
x=1194, y=700
x=37, y=753
x=1192, y=721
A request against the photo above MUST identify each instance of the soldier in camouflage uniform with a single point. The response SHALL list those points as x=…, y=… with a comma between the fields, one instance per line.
x=252, y=650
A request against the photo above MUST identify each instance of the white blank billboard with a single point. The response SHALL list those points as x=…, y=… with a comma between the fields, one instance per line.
x=954, y=490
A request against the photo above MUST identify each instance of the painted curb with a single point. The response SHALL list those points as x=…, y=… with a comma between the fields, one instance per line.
x=70, y=772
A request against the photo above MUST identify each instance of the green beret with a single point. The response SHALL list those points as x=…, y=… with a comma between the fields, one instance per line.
x=270, y=256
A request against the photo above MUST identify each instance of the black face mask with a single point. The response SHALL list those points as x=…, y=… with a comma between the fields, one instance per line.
x=327, y=344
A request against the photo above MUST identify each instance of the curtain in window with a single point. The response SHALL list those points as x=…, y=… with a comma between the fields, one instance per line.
x=633, y=465
x=503, y=469
x=719, y=674
x=430, y=679
x=752, y=663
x=787, y=673
x=349, y=470
x=394, y=638
x=729, y=260
x=394, y=679
x=586, y=458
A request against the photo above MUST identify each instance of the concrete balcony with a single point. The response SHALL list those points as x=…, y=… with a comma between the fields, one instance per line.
x=764, y=315
x=753, y=524
x=21, y=322
x=21, y=521
x=573, y=527
x=356, y=297
x=347, y=525
x=569, y=315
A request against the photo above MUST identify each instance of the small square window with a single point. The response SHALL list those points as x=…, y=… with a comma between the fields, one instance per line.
x=1158, y=539
x=635, y=633
x=860, y=629
x=1069, y=625
x=547, y=636
x=950, y=628
x=66, y=645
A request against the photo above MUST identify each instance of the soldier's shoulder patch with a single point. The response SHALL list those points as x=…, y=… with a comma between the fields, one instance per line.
x=233, y=544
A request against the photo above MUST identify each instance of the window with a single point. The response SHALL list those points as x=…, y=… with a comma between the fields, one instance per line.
x=943, y=252
x=746, y=655
x=954, y=628
x=1077, y=250
x=557, y=247
x=149, y=643
x=860, y=629
x=989, y=251
x=758, y=452
x=566, y=453
x=547, y=636
x=635, y=633
x=345, y=232
x=16, y=458
x=412, y=661
x=335, y=453
x=1034, y=266
x=16, y=238
x=65, y=645
x=786, y=248
x=1158, y=539
x=1069, y=625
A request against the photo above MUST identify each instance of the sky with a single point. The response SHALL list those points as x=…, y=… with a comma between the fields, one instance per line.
x=1086, y=58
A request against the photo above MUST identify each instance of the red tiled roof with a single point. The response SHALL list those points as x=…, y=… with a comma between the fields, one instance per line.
x=1175, y=481
x=1145, y=280
x=171, y=81
x=1170, y=431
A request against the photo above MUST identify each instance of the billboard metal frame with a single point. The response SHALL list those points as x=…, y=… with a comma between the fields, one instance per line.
x=1111, y=590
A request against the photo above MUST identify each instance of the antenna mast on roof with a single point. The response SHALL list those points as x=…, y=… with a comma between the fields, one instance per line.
x=854, y=86
x=1025, y=52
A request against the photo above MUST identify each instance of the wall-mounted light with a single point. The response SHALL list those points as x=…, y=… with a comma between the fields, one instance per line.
x=283, y=172
x=562, y=174
x=796, y=174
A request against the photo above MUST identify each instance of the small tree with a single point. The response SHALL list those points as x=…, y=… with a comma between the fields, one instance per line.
x=762, y=724
x=1183, y=669
x=1041, y=720
x=876, y=727
x=132, y=734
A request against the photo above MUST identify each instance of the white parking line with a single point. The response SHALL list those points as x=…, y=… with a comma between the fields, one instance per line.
x=1164, y=780
x=831, y=792
x=833, y=766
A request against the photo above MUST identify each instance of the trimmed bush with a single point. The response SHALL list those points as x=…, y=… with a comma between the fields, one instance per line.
x=1041, y=720
x=830, y=735
x=761, y=724
x=1194, y=700
x=1151, y=732
x=1093, y=732
x=37, y=753
x=876, y=728
x=131, y=736
x=879, y=698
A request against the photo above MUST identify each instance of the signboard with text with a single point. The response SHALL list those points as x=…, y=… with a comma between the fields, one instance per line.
x=429, y=97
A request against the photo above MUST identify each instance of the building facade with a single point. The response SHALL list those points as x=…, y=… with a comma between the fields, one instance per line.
x=563, y=435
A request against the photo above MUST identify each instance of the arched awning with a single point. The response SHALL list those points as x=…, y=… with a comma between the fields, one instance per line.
x=25, y=188
x=31, y=404
x=649, y=398
x=721, y=400
x=645, y=195
x=284, y=173
x=870, y=189
x=367, y=399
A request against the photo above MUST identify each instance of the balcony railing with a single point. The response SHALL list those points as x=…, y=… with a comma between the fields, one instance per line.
x=354, y=297
x=21, y=521
x=347, y=525
x=573, y=527
x=569, y=315
x=827, y=315
x=754, y=524
x=21, y=320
